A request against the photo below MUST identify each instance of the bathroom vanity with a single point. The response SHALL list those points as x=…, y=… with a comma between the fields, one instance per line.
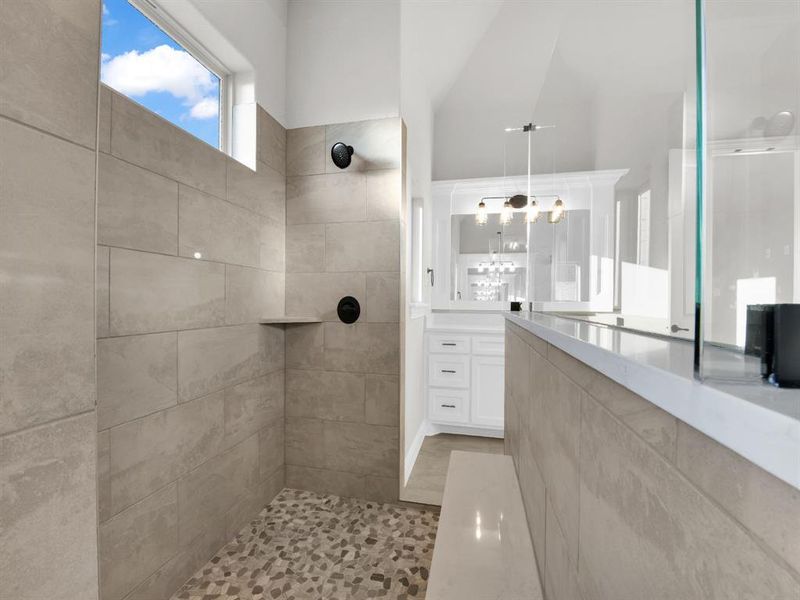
x=464, y=357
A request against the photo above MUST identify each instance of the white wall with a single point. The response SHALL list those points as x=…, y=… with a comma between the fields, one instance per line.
x=343, y=61
x=249, y=38
x=257, y=28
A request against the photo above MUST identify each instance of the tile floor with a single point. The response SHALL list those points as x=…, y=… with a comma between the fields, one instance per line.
x=426, y=482
x=306, y=546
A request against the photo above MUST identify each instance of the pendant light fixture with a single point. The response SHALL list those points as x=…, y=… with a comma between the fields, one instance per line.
x=533, y=210
x=557, y=212
x=507, y=214
x=481, y=216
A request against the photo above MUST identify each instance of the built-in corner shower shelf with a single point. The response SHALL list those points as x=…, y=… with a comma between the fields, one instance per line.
x=289, y=320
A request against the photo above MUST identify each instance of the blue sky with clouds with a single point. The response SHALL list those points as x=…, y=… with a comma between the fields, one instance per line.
x=142, y=62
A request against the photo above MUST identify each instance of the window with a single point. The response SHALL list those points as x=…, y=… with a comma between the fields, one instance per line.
x=147, y=57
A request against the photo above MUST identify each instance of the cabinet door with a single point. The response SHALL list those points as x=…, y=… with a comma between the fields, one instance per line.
x=488, y=378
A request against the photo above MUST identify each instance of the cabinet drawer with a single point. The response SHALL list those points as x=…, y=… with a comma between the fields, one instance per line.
x=449, y=343
x=489, y=345
x=450, y=406
x=448, y=370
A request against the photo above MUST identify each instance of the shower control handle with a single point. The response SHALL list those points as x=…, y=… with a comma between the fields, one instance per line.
x=676, y=328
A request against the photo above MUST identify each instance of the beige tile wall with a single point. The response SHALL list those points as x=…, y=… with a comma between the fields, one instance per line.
x=343, y=239
x=190, y=386
x=48, y=137
x=626, y=502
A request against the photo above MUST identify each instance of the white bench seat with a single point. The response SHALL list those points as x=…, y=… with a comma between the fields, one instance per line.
x=483, y=550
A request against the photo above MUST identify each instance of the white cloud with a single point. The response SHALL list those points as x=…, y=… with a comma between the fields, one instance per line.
x=207, y=108
x=163, y=69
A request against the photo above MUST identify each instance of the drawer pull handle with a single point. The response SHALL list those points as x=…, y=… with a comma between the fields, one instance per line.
x=448, y=343
x=448, y=405
x=447, y=371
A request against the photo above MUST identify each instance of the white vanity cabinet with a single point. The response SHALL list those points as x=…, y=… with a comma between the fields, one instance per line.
x=465, y=379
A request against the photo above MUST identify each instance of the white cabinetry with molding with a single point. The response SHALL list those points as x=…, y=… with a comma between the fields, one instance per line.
x=465, y=373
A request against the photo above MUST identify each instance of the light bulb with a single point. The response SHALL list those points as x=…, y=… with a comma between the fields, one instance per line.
x=506, y=214
x=557, y=213
x=481, y=217
x=533, y=211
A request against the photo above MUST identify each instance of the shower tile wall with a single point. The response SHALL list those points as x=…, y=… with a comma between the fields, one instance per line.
x=48, y=138
x=343, y=239
x=190, y=388
x=625, y=501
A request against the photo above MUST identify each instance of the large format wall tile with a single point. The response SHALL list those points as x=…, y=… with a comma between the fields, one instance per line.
x=212, y=359
x=334, y=198
x=384, y=191
x=758, y=500
x=138, y=541
x=325, y=395
x=361, y=448
x=560, y=574
x=152, y=292
x=48, y=529
x=305, y=444
x=217, y=229
x=532, y=486
x=305, y=151
x=325, y=481
x=48, y=266
x=377, y=144
x=305, y=346
x=647, y=533
x=252, y=295
x=147, y=140
x=271, y=141
x=318, y=294
x=362, y=246
x=136, y=375
x=104, y=120
x=383, y=298
x=272, y=245
x=101, y=280
x=49, y=66
x=262, y=191
x=136, y=208
x=356, y=448
x=150, y=452
x=305, y=248
x=271, y=449
x=253, y=405
x=382, y=400
x=557, y=431
x=206, y=493
x=363, y=347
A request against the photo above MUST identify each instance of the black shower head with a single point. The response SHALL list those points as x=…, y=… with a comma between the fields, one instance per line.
x=341, y=155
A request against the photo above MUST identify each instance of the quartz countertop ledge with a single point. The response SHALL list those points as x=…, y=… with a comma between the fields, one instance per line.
x=756, y=420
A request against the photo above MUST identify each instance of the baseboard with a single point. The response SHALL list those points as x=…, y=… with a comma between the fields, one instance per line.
x=434, y=428
x=413, y=450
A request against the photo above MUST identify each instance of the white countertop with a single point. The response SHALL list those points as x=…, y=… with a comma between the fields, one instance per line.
x=483, y=548
x=756, y=420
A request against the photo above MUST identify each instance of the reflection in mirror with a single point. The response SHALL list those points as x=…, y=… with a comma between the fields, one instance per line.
x=488, y=261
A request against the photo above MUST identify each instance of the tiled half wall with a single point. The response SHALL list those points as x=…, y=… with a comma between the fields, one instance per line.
x=48, y=138
x=624, y=501
x=190, y=387
x=343, y=232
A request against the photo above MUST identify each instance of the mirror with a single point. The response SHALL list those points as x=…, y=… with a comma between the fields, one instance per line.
x=488, y=261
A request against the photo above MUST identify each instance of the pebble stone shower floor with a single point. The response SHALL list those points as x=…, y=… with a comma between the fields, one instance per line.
x=306, y=546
